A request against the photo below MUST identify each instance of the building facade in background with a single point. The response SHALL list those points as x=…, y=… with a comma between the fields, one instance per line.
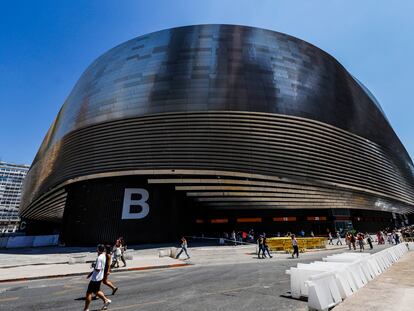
x=11, y=182
x=210, y=128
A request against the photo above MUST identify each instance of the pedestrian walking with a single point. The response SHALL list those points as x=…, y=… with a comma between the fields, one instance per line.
x=353, y=240
x=97, y=276
x=295, y=246
x=384, y=237
x=266, y=247
x=107, y=270
x=312, y=234
x=183, y=248
x=117, y=253
x=379, y=238
x=123, y=250
x=260, y=246
x=233, y=237
x=369, y=241
x=360, y=238
x=330, y=238
x=390, y=238
x=338, y=236
x=397, y=238
x=348, y=240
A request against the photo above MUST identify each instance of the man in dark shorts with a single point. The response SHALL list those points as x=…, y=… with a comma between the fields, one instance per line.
x=96, y=276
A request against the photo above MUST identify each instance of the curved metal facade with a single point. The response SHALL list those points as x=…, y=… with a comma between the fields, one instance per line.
x=234, y=117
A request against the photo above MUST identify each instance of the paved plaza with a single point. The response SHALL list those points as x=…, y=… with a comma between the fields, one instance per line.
x=216, y=278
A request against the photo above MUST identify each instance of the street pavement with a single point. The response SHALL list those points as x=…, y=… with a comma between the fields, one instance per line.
x=220, y=278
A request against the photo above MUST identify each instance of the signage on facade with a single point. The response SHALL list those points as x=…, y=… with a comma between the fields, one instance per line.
x=135, y=203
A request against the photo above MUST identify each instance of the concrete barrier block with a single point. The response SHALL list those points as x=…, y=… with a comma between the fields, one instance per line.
x=298, y=277
x=343, y=278
x=77, y=259
x=164, y=252
x=173, y=252
x=323, y=292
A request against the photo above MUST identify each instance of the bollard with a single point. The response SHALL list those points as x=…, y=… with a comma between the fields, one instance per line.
x=173, y=252
x=77, y=259
x=164, y=253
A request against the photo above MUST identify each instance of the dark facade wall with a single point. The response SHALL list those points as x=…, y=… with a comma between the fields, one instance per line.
x=93, y=213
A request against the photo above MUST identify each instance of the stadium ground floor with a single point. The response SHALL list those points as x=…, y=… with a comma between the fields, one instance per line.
x=100, y=210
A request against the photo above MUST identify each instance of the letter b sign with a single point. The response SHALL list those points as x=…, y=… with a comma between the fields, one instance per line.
x=135, y=198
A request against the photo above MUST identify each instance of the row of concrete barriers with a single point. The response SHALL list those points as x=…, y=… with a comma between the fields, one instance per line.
x=326, y=283
x=29, y=241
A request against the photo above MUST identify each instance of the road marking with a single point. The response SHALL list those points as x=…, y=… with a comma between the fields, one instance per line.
x=9, y=299
x=228, y=291
x=138, y=305
x=68, y=289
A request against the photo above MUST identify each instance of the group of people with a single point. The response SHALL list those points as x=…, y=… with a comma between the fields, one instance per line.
x=352, y=239
x=118, y=252
x=407, y=232
x=108, y=258
x=390, y=236
x=263, y=247
x=239, y=237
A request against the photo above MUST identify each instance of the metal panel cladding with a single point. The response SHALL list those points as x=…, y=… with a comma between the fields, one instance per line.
x=222, y=97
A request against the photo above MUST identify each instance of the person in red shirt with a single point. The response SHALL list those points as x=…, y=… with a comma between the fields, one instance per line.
x=360, y=238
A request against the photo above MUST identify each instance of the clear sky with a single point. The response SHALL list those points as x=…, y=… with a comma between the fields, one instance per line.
x=46, y=45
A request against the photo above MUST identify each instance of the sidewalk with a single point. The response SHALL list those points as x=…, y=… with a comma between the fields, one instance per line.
x=28, y=264
x=392, y=290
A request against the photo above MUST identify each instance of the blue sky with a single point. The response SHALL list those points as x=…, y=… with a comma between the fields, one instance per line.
x=46, y=45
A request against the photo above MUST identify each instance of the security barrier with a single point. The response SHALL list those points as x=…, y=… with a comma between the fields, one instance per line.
x=285, y=244
x=326, y=283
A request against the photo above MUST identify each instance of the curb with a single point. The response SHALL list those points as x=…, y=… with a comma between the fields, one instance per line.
x=84, y=273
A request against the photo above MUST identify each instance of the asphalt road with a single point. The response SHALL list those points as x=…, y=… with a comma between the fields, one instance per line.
x=256, y=285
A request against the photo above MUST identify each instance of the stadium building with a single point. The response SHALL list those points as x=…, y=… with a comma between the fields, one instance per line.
x=210, y=128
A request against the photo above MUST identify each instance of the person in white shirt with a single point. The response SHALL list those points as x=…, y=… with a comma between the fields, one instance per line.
x=338, y=236
x=295, y=246
x=96, y=276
